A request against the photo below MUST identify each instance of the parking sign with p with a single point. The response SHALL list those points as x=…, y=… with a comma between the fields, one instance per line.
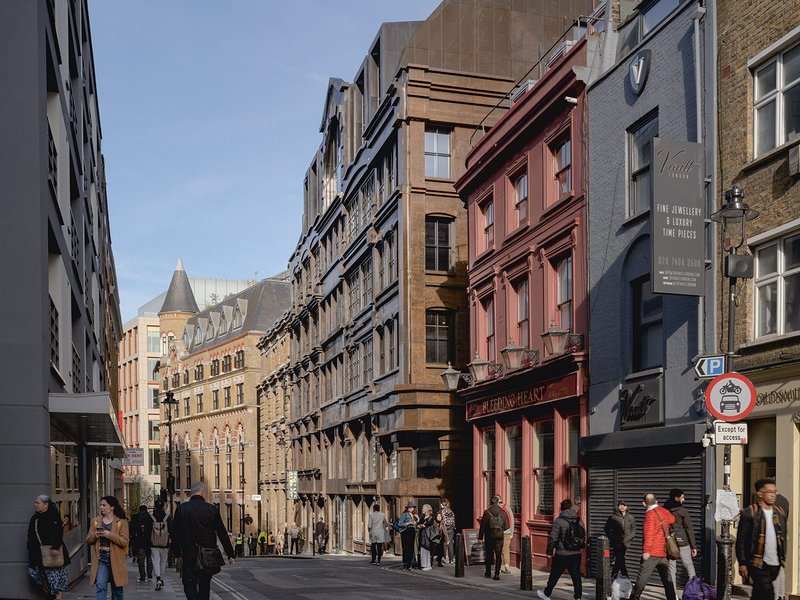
x=730, y=397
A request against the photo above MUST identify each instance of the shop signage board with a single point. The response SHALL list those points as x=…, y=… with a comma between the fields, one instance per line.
x=291, y=485
x=547, y=391
x=134, y=457
x=474, y=549
x=708, y=367
x=730, y=397
x=677, y=218
x=730, y=433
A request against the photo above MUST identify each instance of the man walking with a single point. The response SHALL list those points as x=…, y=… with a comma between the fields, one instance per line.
x=321, y=535
x=198, y=523
x=620, y=529
x=141, y=528
x=294, y=538
x=493, y=525
x=654, y=553
x=239, y=545
x=683, y=530
x=566, y=544
x=159, y=542
x=262, y=542
x=252, y=544
x=377, y=527
x=507, y=535
x=761, y=540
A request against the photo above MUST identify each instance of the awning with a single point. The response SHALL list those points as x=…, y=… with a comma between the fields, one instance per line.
x=687, y=433
x=88, y=419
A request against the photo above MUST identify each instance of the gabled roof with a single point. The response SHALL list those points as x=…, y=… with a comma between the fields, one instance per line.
x=180, y=297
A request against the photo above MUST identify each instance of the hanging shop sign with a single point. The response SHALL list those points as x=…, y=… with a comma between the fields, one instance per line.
x=677, y=218
x=638, y=70
x=291, y=485
x=641, y=403
x=557, y=389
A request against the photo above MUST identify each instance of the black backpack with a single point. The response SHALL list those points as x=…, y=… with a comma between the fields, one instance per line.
x=575, y=536
x=497, y=523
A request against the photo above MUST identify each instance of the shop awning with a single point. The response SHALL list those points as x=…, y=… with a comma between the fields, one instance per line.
x=88, y=419
x=689, y=433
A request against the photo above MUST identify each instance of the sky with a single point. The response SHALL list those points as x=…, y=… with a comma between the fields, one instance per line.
x=210, y=114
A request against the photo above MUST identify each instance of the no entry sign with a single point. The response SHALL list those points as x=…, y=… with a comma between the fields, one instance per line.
x=730, y=397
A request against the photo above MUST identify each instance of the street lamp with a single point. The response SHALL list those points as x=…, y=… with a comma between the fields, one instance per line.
x=169, y=401
x=734, y=212
x=514, y=356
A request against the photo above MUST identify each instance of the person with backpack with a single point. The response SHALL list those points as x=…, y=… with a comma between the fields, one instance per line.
x=683, y=531
x=657, y=521
x=565, y=546
x=141, y=530
x=620, y=529
x=159, y=542
x=761, y=540
x=493, y=526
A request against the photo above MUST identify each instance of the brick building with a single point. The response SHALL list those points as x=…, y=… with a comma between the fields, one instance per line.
x=759, y=141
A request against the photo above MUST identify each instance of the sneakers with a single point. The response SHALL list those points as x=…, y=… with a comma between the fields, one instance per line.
x=159, y=584
x=506, y=570
x=426, y=568
x=542, y=595
x=496, y=577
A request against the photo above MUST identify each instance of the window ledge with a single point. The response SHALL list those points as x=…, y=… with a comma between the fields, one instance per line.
x=771, y=339
x=644, y=373
x=771, y=155
x=555, y=205
x=386, y=375
x=632, y=220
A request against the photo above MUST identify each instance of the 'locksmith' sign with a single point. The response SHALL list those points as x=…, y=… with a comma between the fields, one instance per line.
x=677, y=218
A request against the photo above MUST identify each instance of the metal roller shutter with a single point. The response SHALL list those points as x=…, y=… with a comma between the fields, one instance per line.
x=629, y=475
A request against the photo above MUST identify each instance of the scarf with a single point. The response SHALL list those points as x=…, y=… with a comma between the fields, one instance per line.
x=758, y=552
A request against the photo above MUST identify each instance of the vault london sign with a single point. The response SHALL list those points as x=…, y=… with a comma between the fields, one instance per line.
x=678, y=218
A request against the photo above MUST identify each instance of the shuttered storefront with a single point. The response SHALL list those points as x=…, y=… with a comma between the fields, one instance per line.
x=629, y=474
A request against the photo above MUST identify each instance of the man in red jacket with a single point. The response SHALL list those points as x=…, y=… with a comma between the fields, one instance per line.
x=654, y=554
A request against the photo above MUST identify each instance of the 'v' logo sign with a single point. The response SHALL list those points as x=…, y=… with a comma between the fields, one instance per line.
x=638, y=69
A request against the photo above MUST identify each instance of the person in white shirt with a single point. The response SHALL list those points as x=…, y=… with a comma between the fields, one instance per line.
x=507, y=535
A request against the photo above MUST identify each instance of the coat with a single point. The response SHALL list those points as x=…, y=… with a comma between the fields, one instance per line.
x=559, y=531
x=653, y=539
x=377, y=526
x=620, y=529
x=198, y=523
x=682, y=528
x=141, y=530
x=50, y=531
x=485, y=530
x=119, y=536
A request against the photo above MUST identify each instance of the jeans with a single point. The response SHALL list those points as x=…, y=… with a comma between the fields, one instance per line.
x=762, y=581
x=494, y=554
x=686, y=559
x=658, y=563
x=377, y=551
x=572, y=564
x=294, y=547
x=196, y=585
x=407, y=537
x=451, y=538
x=104, y=577
x=144, y=558
x=159, y=558
x=619, y=562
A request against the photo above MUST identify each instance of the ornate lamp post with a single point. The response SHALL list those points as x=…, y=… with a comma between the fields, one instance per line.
x=169, y=401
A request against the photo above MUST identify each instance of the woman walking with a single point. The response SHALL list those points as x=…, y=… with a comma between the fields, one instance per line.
x=378, y=534
x=406, y=526
x=109, y=535
x=47, y=555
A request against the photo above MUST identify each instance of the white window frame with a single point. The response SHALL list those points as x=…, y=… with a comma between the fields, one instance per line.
x=776, y=95
x=777, y=277
x=636, y=170
x=436, y=152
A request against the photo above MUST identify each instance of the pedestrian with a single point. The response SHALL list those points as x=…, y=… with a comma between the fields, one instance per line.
x=271, y=542
x=620, y=529
x=438, y=541
x=565, y=546
x=262, y=542
x=493, y=526
x=654, y=554
x=294, y=539
x=197, y=526
x=159, y=542
x=449, y=518
x=378, y=533
x=110, y=535
x=278, y=542
x=507, y=535
x=683, y=531
x=406, y=526
x=321, y=535
x=48, y=558
x=141, y=528
x=761, y=540
x=67, y=524
x=251, y=544
x=239, y=545
x=428, y=534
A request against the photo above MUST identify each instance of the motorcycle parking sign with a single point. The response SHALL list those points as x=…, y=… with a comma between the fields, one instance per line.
x=730, y=397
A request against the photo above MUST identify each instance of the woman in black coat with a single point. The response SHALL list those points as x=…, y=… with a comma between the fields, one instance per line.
x=46, y=528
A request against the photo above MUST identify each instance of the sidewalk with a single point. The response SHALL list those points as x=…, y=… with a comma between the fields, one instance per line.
x=141, y=590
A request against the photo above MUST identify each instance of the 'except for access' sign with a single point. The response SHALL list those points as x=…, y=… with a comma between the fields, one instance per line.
x=730, y=433
x=730, y=397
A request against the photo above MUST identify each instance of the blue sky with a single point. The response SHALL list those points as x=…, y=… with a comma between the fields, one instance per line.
x=210, y=115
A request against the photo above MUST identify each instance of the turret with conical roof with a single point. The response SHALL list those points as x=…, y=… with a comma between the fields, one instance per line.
x=179, y=305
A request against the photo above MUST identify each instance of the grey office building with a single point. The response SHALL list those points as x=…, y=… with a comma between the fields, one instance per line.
x=646, y=410
x=59, y=341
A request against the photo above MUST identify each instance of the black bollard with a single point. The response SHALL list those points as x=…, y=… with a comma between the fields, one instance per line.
x=602, y=589
x=525, y=568
x=459, y=556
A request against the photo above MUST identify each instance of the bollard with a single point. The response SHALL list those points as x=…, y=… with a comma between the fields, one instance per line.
x=459, y=556
x=525, y=568
x=602, y=590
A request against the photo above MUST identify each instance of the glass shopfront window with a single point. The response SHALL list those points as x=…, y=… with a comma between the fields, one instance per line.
x=573, y=466
x=543, y=464
x=488, y=464
x=513, y=468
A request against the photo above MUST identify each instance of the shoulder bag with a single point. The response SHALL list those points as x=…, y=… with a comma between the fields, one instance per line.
x=670, y=543
x=209, y=560
x=51, y=558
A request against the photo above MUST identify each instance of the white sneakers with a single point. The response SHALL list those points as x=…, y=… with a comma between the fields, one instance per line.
x=542, y=595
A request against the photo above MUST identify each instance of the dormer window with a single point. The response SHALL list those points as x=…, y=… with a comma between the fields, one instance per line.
x=210, y=331
x=223, y=325
x=198, y=336
x=237, y=318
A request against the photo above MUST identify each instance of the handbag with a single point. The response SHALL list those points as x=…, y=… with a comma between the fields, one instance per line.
x=51, y=558
x=209, y=560
x=670, y=543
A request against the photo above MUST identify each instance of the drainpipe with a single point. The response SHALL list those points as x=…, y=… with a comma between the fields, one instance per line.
x=701, y=301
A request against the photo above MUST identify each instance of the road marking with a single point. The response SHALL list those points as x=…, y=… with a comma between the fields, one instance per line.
x=232, y=590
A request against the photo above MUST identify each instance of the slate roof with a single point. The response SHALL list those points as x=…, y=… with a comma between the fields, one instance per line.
x=180, y=297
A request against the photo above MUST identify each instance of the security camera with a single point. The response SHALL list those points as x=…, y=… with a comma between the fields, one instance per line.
x=707, y=440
